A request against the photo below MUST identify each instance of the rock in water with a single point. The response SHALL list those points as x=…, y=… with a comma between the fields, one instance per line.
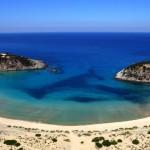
x=10, y=62
x=139, y=72
x=55, y=70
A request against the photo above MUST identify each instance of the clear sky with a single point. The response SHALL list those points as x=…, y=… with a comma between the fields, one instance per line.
x=74, y=15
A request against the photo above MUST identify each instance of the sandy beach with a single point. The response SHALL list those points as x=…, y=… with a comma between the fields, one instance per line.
x=128, y=135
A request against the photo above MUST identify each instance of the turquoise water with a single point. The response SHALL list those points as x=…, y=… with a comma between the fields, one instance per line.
x=86, y=91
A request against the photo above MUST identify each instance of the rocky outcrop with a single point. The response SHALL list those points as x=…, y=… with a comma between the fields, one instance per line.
x=139, y=72
x=9, y=62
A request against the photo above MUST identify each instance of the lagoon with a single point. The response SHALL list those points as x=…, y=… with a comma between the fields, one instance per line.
x=86, y=92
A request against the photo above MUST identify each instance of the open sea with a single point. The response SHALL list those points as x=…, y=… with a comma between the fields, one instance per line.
x=85, y=92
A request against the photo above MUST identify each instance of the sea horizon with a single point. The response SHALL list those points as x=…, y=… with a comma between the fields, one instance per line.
x=55, y=32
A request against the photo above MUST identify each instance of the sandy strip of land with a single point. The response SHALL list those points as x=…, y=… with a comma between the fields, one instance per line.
x=108, y=126
x=40, y=136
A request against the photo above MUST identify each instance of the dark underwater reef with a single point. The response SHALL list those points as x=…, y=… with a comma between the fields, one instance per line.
x=135, y=95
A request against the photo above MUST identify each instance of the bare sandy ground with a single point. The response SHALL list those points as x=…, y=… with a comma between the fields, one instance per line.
x=129, y=135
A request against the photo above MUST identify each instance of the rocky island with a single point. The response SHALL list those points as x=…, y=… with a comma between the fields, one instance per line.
x=10, y=62
x=139, y=72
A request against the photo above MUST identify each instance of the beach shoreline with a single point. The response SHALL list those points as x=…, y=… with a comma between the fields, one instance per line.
x=101, y=126
x=39, y=136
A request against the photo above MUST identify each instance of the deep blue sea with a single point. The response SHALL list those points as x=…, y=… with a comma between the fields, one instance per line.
x=85, y=92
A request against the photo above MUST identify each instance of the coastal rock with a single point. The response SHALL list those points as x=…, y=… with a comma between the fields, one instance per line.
x=10, y=62
x=55, y=70
x=139, y=72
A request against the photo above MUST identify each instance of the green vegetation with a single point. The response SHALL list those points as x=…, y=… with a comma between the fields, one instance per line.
x=67, y=140
x=113, y=142
x=100, y=142
x=86, y=134
x=20, y=148
x=9, y=62
x=54, y=139
x=106, y=143
x=126, y=133
x=23, y=60
x=38, y=135
x=97, y=139
x=137, y=72
x=10, y=142
x=14, y=58
x=135, y=142
x=119, y=141
x=17, y=144
x=98, y=145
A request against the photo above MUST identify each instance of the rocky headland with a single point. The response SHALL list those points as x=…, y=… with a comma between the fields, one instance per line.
x=139, y=72
x=10, y=62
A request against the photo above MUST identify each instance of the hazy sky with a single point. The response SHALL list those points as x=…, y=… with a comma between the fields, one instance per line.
x=74, y=15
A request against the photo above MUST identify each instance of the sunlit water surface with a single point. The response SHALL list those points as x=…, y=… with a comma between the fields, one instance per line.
x=85, y=92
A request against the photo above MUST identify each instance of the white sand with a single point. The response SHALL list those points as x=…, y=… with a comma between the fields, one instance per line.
x=74, y=137
x=100, y=127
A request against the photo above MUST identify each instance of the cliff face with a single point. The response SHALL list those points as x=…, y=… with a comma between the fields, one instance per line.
x=9, y=62
x=139, y=72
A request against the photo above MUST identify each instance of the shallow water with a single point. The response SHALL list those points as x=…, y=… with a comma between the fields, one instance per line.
x=86, y=91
